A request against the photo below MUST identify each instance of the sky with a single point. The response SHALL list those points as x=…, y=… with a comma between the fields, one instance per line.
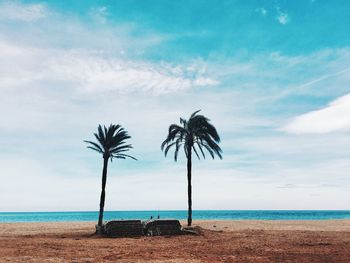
x=272, y=76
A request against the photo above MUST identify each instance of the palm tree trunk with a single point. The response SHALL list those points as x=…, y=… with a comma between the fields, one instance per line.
x=102, y=199
x=189, y=186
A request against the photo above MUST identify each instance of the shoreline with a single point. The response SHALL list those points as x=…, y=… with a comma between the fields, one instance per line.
x=33, y=228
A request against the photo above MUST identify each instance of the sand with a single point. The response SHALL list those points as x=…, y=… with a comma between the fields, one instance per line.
x=221, y=241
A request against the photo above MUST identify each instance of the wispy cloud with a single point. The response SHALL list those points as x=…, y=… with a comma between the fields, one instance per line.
x=91, y=72
x=96, y=74
x=282, y=17
x=12, y=10
x=99, y=14
x=327, y=76
x=335, y=117
x=287, y=186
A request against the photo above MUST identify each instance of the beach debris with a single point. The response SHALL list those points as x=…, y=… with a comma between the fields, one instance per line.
x=153, y=227
x=190, y=230
x=124, y=228
x=161, y=227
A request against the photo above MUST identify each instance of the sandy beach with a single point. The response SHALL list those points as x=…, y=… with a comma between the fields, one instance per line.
x=221, y=241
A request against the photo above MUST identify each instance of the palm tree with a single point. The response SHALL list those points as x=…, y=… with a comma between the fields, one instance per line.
x=196, y=134
x=111, y=143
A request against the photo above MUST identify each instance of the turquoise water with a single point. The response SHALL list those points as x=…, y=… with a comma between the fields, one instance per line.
x=179, y=214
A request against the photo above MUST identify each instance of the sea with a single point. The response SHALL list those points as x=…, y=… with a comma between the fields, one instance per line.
x=6, y=217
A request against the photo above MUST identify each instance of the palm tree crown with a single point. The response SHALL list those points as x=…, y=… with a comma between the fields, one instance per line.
x=111, y=142
x=196, y=133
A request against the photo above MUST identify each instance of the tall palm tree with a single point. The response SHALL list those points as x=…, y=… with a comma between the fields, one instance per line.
x=111, y=143
x=196, y=134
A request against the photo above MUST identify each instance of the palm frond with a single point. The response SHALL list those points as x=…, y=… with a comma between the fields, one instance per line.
x=174, y=131
x=100, y=135
x=200, y=148
x=168, y=148
x=195, y=151
x=176, y=152
x=194, y=113
x=183, y=122
x=197, y=131
x=100, y=140
x=95, y=145
x=92, y=148
x=214, y=147
x=111, y=141
x=122, y=148
x=123, y=156
x=209, y=150
x=211, y=131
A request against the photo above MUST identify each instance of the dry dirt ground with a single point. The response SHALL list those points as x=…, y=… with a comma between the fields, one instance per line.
x=221, y=241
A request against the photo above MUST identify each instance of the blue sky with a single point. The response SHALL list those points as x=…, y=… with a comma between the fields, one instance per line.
x=273, y=77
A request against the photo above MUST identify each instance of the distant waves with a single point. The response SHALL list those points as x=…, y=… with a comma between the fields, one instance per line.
x=179, y=214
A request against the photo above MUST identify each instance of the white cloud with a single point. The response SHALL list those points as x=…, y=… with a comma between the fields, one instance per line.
x=333, y=118
x=90, y=71
x=96, y=74
x=23, y=12
x=283, y=18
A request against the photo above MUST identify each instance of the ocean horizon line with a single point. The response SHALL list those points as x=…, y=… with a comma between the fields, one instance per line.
x=167, y=210
x=69, y=216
